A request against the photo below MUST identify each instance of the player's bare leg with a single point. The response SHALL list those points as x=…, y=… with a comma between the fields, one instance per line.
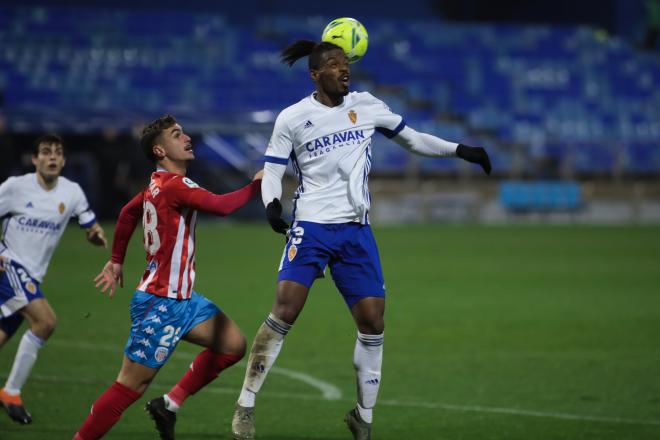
x=225, y=346
x=4, y=337
x=367, y=358
x=42, y=320
x=289, y=301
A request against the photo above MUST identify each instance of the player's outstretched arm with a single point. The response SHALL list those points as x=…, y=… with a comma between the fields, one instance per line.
x=271, y=192
x=218, y=204
x=428, y=145
x=111, y=274
x=96, y=236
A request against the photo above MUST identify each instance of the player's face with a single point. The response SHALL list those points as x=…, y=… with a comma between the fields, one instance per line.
x=49, y=161
x=175, y=144
x=334, y=76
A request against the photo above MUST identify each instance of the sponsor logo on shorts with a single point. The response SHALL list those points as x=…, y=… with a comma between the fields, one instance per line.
x=140, y=354
x=145, y=342
x=293, y=251
x=154, y=318
x=162, y=308
x=149, y=330
x=161, y=354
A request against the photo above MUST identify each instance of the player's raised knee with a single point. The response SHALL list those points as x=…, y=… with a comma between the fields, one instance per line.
x=237, y=346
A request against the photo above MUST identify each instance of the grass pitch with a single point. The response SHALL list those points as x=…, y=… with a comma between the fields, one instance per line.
x=491, y=333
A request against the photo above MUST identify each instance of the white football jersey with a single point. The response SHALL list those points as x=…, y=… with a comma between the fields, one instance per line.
x=330, y=150
x=34, y=219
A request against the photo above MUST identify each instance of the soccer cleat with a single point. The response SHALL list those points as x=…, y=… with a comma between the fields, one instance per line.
x=361, y=430
x=14, y=407
x=242, y=424
x=164, y=418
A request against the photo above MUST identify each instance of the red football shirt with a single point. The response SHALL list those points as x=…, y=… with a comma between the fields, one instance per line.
x=168, y=208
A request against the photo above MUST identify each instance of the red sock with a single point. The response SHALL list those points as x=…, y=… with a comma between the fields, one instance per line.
x=206, y=367
x=106, y=411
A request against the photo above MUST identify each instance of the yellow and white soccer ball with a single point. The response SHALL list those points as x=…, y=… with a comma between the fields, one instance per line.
x=350, y=35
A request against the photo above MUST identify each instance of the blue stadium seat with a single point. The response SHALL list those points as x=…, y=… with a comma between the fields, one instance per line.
x=510, y=83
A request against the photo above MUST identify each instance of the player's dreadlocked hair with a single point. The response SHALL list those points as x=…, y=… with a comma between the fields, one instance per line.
x=47, y=139
x=303, y=48
x=151, y=132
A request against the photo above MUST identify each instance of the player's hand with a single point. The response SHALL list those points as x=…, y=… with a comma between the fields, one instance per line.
x=474, y=155
x=259, y=175
x=274, y=216
x=3, y=261
x=96, y=236
x=111, y=274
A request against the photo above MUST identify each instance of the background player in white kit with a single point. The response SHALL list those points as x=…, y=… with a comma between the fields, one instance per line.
x=36, y=208
x=327, y=137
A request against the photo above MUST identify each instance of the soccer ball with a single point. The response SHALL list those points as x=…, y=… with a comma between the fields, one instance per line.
x=350, y=35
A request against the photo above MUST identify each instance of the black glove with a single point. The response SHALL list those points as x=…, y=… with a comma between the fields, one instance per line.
x=474, y=155
x=274, y=216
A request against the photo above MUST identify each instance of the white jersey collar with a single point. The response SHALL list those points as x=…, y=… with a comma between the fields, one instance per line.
x=320, y=104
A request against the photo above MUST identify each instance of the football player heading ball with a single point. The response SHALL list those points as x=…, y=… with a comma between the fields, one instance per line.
x=327, y=136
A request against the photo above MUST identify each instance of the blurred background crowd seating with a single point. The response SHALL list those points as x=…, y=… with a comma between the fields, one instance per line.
x=569, y=103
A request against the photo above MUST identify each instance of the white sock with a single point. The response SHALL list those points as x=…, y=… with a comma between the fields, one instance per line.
x=367, y=359
x=365, y=414
x=170, y=404
x=26, y=355
x=265, y=348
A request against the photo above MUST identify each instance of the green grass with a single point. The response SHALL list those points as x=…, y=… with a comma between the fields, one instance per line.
x=484, y=326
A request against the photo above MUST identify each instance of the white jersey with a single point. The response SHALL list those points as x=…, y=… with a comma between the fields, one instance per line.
x=34, y=219
x=330, y=149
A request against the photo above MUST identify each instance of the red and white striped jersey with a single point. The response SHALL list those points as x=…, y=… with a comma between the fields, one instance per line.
x=168, y=208
x=169, y=236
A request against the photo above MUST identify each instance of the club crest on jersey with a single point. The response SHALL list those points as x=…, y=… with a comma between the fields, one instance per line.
x=189, y=183
x=352, y=116
x=61, y=208
x=161, y=354
x=293, y=251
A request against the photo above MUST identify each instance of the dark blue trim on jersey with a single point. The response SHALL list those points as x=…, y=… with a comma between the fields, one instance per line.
x=277, y=160
x=6, y=219
x=88, y=224
x=365, y=181
x=301, y=188
x=391, y=133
